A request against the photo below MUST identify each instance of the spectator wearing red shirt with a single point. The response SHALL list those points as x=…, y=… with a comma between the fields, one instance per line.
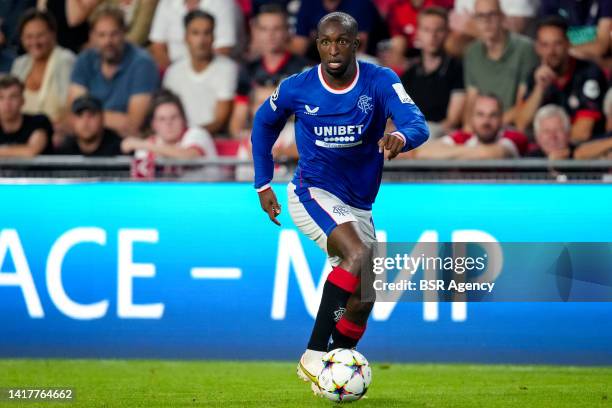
x=488, y=140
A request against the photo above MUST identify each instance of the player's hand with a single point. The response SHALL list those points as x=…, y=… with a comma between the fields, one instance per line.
x=392, y=144
x=270, y=204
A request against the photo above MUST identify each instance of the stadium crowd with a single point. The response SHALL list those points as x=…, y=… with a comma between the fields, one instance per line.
x=183, y=78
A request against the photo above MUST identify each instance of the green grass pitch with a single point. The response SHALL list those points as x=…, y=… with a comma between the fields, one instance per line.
x=158, y=383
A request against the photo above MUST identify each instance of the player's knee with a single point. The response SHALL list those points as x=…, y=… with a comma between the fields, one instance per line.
x=358, y=255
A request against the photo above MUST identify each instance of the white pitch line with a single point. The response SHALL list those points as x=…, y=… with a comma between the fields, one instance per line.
x=216, y=273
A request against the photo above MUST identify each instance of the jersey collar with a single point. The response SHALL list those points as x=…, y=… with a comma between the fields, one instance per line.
x=338, y=91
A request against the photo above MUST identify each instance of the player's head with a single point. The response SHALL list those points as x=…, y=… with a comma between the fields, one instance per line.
x=552, y=44
x=487, y=117
x=337, y=42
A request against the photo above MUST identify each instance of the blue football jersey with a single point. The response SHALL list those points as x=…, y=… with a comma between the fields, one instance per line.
x=337, y=130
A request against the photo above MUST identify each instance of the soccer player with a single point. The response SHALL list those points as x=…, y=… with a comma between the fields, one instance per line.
x=341, y=107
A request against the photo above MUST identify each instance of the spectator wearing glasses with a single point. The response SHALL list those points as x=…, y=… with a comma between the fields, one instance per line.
x=499, y=62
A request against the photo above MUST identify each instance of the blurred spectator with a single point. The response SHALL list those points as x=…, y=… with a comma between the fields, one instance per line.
x=168, y=31
x=21, y=135
x=90, y=137
x=71, y=17
x=608, y=109
x=402, y=20
x=270, y=29
x=519, y=15
x=205, y=82
x=45, y=68
x=578, y=86
x=10, y=12
x=552, y=134
x=138, y=18
x=123, y=76
x=590, y=24
x=311, y=11
x=488, y=141
x=600, y=148
x=499, y=62
x=169, y=134
x=7, y=56
x=435, y=82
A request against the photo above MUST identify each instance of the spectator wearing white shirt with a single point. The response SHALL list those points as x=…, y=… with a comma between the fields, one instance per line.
x=205, y=82
x=167, y=33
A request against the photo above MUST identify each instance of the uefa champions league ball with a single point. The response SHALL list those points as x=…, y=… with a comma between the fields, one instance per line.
x=345, y=377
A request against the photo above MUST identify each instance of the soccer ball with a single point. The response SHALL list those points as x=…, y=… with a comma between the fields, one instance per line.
x=345, y=377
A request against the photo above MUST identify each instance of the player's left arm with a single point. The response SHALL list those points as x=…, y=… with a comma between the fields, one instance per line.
x=412, y=130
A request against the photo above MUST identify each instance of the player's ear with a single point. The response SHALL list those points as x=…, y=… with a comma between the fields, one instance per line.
x=356, y=44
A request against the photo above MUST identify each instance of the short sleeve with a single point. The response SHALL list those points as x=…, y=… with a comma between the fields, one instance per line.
x=82, y=71
x=145, y=78
x=592, y=90
x=530, y=61
x=228, y=80
x=201, y=140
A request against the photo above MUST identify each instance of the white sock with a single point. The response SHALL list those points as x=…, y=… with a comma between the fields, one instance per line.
x=313, y=356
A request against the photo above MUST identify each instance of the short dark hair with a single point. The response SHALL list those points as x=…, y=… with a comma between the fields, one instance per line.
x=192, y=15
x=346, y=20
x=8, y=81
x=108, y=11
x=435, y=11
x=491, y=95
x=162, y=97
x=272, y=8
x=32, y=14
x=553, y=21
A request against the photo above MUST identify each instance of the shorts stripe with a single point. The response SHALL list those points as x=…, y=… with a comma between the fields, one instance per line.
x=319, y=215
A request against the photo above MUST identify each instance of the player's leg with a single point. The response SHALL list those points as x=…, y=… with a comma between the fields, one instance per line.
x=345, y=243
x=317, y=213
x=350, y=328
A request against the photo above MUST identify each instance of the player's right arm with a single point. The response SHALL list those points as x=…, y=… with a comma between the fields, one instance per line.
x=267, y=125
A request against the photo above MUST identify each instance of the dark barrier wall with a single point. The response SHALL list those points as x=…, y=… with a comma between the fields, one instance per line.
x=198, y=271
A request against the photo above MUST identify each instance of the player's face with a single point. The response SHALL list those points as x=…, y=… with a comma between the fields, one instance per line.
x=431, y=34
x=168, y=123
x=199, y=37
x=337, y=48
x=108, y=37
x=487, y=119
x=37, y=39
x=87, y=125
x=552, y=135
x=272, y=32
x=11, y=101
x=552, y=47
